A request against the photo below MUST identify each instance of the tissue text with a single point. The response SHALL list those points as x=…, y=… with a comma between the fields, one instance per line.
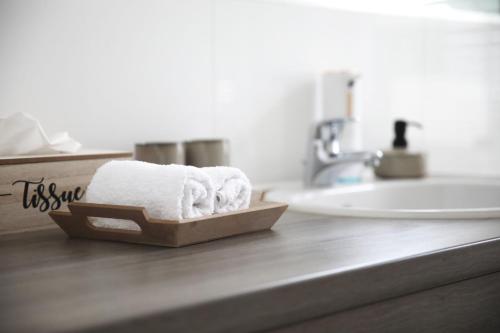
x=37, y=195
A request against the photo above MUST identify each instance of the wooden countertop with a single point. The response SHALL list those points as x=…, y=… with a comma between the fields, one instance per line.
x=308, y=266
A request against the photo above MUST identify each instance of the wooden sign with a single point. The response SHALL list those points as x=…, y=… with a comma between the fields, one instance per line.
x=32, y=186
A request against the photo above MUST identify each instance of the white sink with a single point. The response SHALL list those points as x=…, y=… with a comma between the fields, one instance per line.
x=432, y=198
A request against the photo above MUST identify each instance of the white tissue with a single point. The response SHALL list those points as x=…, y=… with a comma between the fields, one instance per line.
x=21, y=134
x=232, y=188
x=170, y=192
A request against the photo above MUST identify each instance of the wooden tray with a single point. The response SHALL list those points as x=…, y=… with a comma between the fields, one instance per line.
x=260, y=216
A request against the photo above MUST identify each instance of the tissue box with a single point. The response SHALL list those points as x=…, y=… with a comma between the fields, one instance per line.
x=33, y=185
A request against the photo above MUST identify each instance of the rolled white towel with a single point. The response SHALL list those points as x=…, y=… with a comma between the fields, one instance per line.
x=171, y=192
x=232, y=188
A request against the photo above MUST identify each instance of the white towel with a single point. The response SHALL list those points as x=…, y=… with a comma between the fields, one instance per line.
x=171, y=192
x=232, y=188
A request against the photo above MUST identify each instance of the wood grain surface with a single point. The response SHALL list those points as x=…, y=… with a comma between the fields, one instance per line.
x=85, y=154
x=308, y=266
x=259, y=216
x=467, y=306
x=21, y=208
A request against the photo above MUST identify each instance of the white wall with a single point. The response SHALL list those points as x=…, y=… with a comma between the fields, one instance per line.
x=118, y=72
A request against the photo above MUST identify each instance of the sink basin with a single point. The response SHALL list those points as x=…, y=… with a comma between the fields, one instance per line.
x=431, y=198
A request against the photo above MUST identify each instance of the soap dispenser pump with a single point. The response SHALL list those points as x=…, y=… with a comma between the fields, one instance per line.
x=399, y=162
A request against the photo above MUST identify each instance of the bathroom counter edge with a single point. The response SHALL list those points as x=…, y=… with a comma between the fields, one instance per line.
x=338, y=271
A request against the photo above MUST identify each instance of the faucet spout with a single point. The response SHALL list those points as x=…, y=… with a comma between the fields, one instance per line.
x=324, y=153
x=369, y=158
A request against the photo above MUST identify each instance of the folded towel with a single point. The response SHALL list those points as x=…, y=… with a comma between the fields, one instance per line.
x=171, y=192
x=232, y=188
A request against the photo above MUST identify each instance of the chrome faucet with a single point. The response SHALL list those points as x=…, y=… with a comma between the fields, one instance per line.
x=324, y=153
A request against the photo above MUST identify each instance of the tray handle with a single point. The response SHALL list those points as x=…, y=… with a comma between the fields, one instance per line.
x=76, y=223
x=137, y=214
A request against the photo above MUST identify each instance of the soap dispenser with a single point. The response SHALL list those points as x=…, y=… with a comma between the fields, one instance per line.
x=399, y=162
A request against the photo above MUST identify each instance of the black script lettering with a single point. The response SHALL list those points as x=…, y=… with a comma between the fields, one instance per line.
x=27, y=203
x=56, y=204
x=79, y=193
x=45, y=198
x=40, y=190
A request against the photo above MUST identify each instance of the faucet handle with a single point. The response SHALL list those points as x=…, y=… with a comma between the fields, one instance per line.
x=332, y=127
x=337, y=121
x=329, y=132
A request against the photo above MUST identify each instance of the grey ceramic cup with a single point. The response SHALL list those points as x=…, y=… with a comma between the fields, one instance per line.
x=206, y=153
x=160, y=152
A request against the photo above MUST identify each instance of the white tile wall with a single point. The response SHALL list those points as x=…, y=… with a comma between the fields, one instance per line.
x=118, y=72
x=461, y=107
x=111, y=72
